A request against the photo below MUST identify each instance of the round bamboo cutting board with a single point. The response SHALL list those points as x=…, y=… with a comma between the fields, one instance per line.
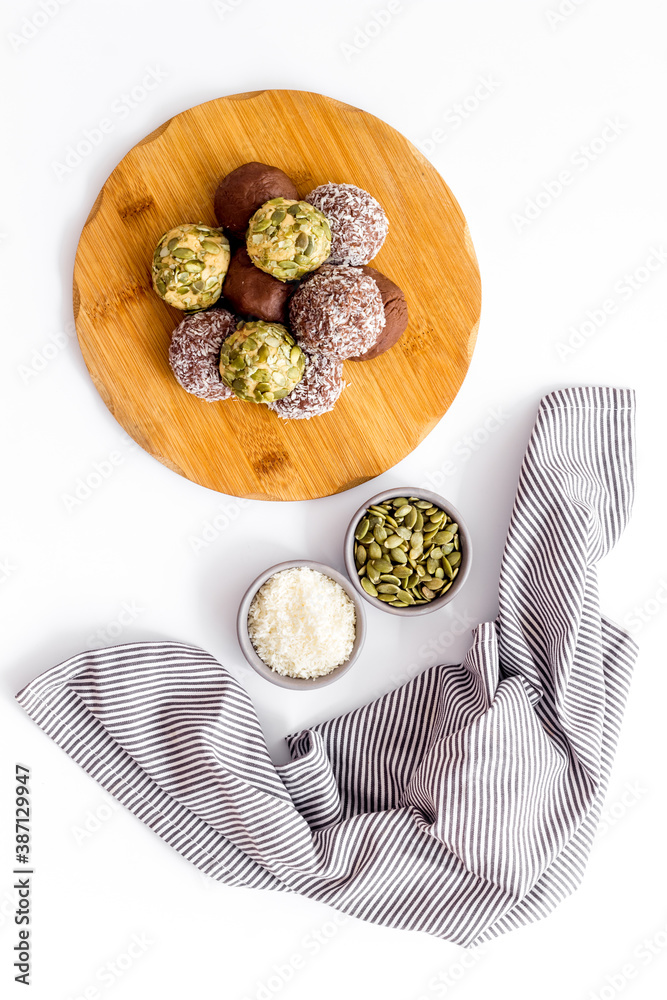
x=244, y=449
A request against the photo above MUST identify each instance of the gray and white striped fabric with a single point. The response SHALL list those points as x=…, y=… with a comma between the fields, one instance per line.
x=462, y=804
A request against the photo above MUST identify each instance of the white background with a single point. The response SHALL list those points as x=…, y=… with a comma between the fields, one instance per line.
x=552, y=82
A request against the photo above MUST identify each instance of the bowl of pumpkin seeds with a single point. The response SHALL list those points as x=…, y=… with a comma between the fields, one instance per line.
x=407, y=551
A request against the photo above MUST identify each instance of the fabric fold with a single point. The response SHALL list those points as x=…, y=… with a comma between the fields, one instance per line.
x=462, y=804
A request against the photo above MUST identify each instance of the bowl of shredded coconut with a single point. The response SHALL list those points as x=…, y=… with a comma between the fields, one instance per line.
x=301, y=624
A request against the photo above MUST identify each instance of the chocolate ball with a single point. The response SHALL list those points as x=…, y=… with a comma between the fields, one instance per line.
x=395, y=311
x=242, y=192
x=337, y=311
x=255, y=293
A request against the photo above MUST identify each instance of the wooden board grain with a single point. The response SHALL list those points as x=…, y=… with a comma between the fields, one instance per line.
x=243, y=449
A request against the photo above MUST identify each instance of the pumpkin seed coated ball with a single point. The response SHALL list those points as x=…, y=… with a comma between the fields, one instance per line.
x=288, y=239
x=189, y=266
x=261, y=362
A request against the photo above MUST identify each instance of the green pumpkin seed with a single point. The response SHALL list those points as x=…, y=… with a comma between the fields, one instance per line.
x=362, y=529
x=194, y=265
x=410, y=519
x=388, y=588
x=368, y=587
x=428, y=594
x=383, y=565
x=393, y=542
x=402, y=511
x=373, y=573
x=210, y=247
x=390, y=578
x=278, y=216
x=402, y=572
x=398, y=556
x=374, y=551
x=260, y=227
x=442, y=537
x=386, y=597
x=403, y=533
x=183, y=253
x=447, y=566
x=380, y=533
x=454, y=559
x=293, y=209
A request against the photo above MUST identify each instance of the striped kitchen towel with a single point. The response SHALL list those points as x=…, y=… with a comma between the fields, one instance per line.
x=462, y=804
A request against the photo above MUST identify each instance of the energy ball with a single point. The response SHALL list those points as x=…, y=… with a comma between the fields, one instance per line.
x=261, y=362
x=288, y=238
x=338, y=311
x=255, y=293
x=358, y=223
x=189, y=265
x=194, y=353
x=395, y=314
x=316, y=393
x=241, y=193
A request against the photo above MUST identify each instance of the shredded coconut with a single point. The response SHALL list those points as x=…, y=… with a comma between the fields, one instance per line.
x=302, y=623
x=194, y=353
x=316, y=393
x=337, y=311
x=358, y=223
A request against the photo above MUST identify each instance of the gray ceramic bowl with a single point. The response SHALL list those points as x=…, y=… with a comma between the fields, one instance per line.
x=466, y=551
x=298, y=683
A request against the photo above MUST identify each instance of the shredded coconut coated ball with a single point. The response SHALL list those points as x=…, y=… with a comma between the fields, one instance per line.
x=316, y=393
x=358, y=223
x=194, y=353
x=338, y=311
x=302, y=623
